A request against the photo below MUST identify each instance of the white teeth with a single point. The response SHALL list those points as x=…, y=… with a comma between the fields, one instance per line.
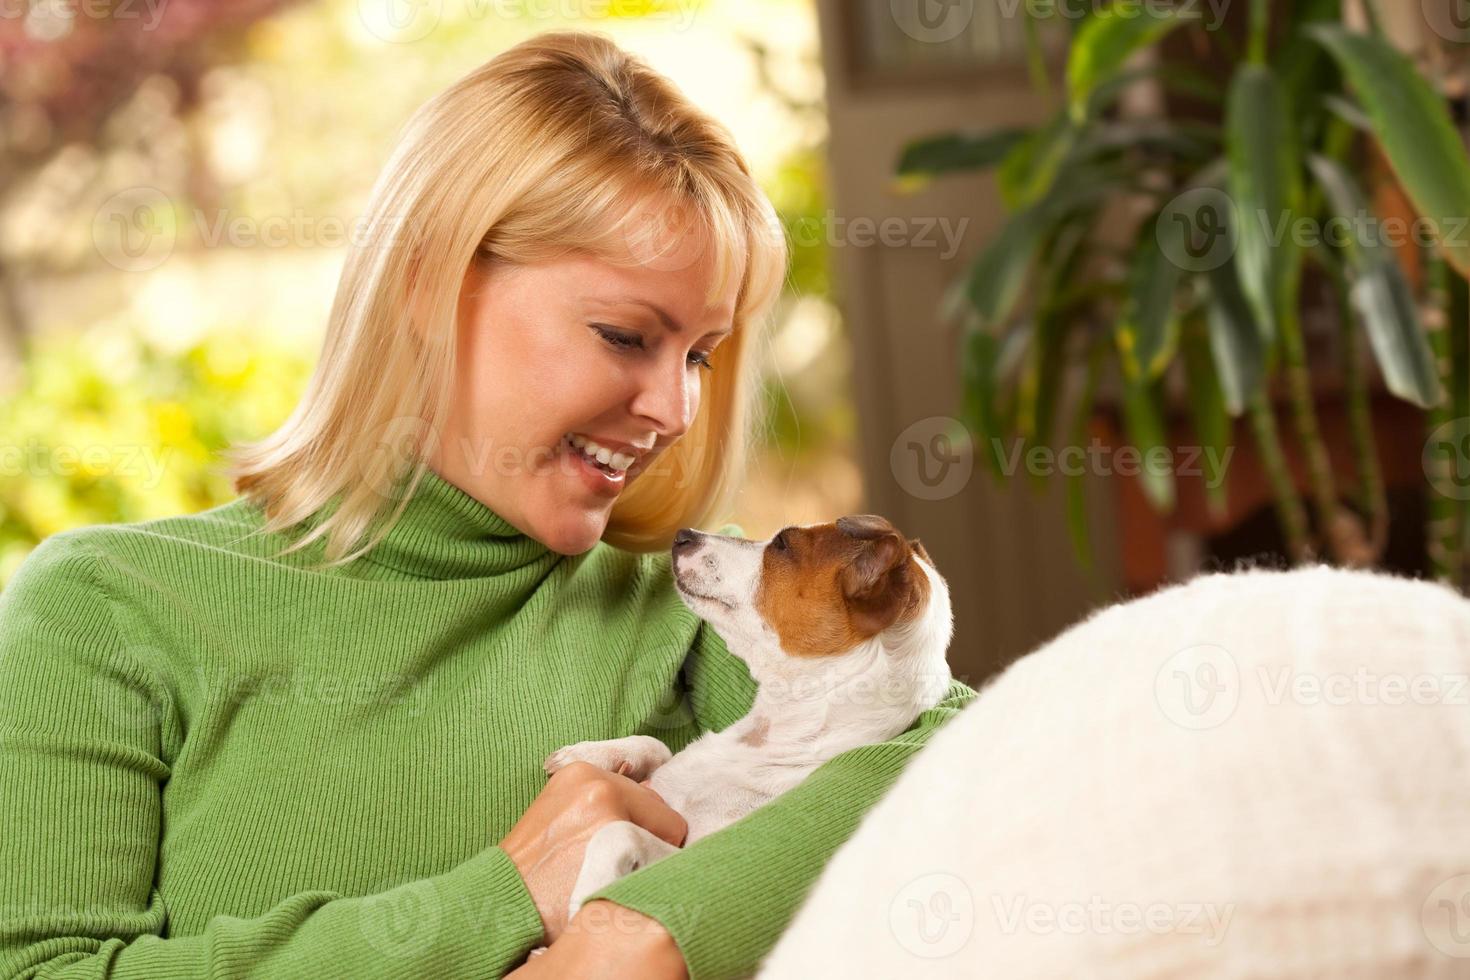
x=607, y=457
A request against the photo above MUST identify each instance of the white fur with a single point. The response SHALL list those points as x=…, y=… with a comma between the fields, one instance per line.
x=807, y=709
x=1227, y=779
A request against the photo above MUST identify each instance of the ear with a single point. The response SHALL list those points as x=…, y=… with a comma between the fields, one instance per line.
x=875, y=584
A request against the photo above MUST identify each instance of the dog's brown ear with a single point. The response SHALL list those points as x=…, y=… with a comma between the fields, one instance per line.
x=877, y=583
x=918, y=547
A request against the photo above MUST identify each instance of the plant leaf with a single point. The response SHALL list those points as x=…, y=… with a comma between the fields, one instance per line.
x=1415, y=130
x=999, y=275
x=1105, y=43
x=1144, y=423
x=1076, y=479
x=951, y=152
x=1265, y=180
x=1146, y=333
x=1029, y=170
x=1382, y=297
x=1207, y=409
x=1381, y=293
x=1235, y=340
x=977, y=367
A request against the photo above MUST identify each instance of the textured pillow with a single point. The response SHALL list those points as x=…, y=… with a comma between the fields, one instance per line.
x=1262, y=774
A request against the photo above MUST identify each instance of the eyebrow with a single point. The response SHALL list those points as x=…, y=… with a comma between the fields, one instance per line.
x=670, y=324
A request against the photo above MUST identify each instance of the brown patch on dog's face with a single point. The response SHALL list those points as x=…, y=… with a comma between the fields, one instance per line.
x=826, y=588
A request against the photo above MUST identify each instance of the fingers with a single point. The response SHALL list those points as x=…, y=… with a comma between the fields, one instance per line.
x=606, y=796
x=648, y=810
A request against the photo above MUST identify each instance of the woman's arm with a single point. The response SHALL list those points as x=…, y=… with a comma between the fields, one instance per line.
x=608, y=942
x=82, y=767
x=726, y=898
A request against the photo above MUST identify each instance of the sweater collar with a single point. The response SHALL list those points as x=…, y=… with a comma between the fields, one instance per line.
x=444, y=533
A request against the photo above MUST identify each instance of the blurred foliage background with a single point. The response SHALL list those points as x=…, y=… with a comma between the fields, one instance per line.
x=178, y=181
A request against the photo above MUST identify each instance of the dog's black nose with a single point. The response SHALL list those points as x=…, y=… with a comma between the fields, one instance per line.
x=686, y=539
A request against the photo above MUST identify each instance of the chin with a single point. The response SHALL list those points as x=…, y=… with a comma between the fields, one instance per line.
x=575, y=537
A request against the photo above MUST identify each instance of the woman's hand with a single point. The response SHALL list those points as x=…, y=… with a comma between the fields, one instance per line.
x=606, y=941
x=547, y=843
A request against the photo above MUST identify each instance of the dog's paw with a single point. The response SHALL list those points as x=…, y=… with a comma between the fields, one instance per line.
x=635, y=757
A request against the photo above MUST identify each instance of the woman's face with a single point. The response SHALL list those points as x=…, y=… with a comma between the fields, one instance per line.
x=575, y=347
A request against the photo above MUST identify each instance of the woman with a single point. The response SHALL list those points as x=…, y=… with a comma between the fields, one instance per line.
x=301, y=734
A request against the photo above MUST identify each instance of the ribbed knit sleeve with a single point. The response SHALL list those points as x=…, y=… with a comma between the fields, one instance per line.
x=727, y=898
x=86, y=730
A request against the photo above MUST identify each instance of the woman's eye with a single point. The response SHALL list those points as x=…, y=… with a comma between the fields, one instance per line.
x=620, y=340
x=625, y=341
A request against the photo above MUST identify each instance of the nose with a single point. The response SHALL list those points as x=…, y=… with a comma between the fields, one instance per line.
x=685, y=540
x=668, y=402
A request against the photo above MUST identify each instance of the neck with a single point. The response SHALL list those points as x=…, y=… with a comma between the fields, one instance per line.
x=869, y=694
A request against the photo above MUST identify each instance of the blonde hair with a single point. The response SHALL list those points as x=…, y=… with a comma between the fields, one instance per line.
x=548, y=148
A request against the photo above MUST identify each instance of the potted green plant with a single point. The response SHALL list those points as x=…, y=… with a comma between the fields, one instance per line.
x=1209, y=286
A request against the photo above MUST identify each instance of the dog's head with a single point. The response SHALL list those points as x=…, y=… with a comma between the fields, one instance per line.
x=816, y=592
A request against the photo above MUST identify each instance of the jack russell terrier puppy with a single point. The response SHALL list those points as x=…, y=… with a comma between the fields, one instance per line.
x=844, y=627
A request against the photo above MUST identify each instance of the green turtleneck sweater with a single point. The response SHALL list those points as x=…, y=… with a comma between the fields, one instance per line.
x=214, y=762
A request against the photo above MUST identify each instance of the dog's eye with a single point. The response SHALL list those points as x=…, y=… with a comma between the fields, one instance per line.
x=780, y=541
